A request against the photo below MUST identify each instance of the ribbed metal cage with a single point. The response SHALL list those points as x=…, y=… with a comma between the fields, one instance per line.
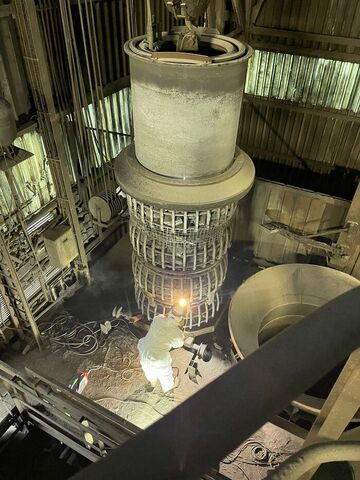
x=186, y=255
x=179, y=254
x=167, y=287
x=198, y=315
x=181, y=223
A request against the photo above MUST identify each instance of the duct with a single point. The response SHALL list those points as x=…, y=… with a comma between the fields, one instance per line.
x=184, y=175
x=303, y=461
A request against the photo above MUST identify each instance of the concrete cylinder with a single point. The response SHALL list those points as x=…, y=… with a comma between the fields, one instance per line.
x=186, y=115
x=8, y=131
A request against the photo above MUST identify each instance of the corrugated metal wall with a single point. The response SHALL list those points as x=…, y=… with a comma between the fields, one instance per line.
x=301, y=111
x=305, y=80
x=118, y=112
x=304, y=113
x=106, y=23
x=32, y=176
x=299, y=138
x=306, y=211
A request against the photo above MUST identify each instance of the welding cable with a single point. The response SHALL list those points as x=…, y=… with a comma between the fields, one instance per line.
x=260, y=455
x=128, y=401
x=80, y=338
x=126, y=372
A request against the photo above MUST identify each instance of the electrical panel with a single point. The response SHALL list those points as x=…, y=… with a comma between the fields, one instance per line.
x=60, y=245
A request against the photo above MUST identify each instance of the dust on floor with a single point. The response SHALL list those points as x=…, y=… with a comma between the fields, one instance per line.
x=117, y=382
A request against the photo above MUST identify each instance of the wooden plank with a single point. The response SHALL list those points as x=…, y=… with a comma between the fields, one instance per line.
x=258, y=207
x=339, y=408
x=313, y=222
x=287, y=218
x=351, y=240
x=272, y=245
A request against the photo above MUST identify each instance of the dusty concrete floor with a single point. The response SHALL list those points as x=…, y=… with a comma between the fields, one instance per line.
x=116, y=380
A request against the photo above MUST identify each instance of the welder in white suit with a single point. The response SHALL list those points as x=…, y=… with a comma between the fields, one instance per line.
x=165, y=334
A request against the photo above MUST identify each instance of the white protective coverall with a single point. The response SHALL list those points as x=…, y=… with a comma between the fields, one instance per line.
x=163, y=335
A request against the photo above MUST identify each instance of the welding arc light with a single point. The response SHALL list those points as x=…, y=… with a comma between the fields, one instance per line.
x=182, y=302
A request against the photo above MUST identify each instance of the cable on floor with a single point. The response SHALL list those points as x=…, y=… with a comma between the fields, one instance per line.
x=259, y=455
x=128, y=401
x=81, y=338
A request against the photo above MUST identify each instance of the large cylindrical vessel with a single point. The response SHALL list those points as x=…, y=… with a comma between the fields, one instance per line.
x=276, y=298
x=185, y=174
x=186, y=118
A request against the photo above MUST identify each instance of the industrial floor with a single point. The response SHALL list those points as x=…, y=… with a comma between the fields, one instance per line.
x=116, y=380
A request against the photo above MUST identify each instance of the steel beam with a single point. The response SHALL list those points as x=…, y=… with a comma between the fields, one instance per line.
x=7, y=263
x=209, y=425
x=309, y=52
x=37, y=65
x=269, y=102
x=305, y=36
x=339, y=408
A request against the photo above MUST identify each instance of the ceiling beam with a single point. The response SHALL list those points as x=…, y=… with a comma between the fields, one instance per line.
x=342, y=115
x=309, y=52
x=305, y=36
x=256, y=10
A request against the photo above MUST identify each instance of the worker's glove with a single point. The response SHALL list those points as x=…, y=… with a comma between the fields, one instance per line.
x=189, y=341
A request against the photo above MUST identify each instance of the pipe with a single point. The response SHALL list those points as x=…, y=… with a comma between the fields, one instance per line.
x=200, y=432
x=149, y=27
x=313, y=456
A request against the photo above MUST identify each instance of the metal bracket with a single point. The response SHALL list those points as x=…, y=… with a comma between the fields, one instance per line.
x=311, y=240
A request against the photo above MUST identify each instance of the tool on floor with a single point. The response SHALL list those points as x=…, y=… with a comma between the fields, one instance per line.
x=79, y=383
x=200, y=352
